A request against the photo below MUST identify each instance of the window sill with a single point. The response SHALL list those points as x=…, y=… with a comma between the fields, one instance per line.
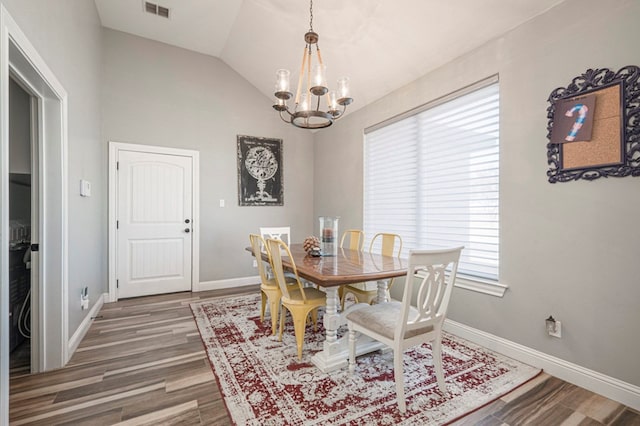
x=479, y=285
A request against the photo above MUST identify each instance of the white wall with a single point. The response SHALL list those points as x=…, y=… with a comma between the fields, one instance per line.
x=156, y=94
x=67, y=36
x=567, y=249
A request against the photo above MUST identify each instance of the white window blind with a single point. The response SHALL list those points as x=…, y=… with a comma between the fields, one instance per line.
x=433, y=177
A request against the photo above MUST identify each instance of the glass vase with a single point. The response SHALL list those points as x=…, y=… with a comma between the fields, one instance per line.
x=329, y=235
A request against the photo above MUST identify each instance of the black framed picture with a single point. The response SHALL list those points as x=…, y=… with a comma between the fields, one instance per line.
x=260, y=171
x=611, y=146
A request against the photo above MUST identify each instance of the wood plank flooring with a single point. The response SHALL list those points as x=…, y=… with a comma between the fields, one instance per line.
x=143, y=363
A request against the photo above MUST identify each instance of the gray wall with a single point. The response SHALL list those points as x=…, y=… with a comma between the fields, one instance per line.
x=19, y=153
x=156, y=94
x=19, y=129
x=67, y=35
x=567, y=249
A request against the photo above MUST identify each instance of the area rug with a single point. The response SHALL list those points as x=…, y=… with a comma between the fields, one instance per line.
x=264, y=383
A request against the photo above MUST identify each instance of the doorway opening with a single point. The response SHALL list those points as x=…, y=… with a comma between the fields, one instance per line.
x=23, y=222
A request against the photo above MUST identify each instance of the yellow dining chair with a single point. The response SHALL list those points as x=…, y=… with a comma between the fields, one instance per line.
x=269, y=289
x=399, y=325
x=355, y=238
x=389, y=242
x=298, y=299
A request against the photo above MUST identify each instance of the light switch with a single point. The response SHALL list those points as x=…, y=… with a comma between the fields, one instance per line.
x=221, y=203
x=85, y=188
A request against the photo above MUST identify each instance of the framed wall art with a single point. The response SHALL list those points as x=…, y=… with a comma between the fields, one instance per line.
x=594, y=126
x=259, y=171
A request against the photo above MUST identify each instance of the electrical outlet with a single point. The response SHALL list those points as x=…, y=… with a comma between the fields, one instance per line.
x=558, y=332
x=84, y=298
x=255, y=263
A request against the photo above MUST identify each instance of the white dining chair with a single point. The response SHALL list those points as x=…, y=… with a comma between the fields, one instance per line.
x=282, y=233
x=401, y=325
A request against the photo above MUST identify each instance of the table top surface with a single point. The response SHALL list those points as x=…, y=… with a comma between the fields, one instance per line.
x=349, y=266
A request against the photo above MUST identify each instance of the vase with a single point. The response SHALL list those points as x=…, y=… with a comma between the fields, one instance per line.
x=329, y=235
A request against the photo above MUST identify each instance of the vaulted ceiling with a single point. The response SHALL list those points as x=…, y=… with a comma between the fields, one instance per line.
x=380, y=44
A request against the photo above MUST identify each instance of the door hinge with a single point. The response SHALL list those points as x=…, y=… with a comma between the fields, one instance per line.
x=35, y=247
x=117, y=165
x=117, y=283
x=117, y=224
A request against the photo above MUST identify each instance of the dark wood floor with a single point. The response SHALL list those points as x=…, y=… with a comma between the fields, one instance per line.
x=142, y=363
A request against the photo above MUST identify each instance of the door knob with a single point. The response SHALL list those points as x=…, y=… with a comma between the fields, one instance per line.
x=187, y=221
x=187, y=230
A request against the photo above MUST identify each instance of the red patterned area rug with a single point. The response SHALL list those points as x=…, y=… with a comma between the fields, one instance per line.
x=263, y=383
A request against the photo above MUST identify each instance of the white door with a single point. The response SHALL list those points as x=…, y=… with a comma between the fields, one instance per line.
x=154, y=223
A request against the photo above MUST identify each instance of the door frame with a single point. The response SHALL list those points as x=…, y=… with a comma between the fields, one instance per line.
x=114, y=150
x=37, y=165
x=20, y=59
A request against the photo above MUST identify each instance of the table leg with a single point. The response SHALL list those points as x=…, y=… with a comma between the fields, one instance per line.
x=335, y=351
x=383, y=291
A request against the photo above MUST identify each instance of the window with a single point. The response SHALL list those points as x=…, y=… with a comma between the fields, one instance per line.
x=432, y=176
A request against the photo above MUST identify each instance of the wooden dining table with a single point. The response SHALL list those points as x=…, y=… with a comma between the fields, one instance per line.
x=329, y=273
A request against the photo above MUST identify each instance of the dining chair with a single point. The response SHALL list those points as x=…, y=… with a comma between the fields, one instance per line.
x=388, y=244
x=400, y=325
x=355, y=240
x=269, y=289
x=299, y=300
x=282, y=233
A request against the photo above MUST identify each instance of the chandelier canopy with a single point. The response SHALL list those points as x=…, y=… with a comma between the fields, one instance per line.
x=312, y=87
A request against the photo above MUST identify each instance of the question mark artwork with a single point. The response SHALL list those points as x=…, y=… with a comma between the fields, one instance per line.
x=573, y=119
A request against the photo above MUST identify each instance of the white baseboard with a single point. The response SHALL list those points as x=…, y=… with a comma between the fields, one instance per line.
x=82, y=329
x=229, y=283
x=610, y=387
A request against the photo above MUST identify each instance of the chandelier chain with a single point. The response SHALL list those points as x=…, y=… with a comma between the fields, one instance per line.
x=311, y=15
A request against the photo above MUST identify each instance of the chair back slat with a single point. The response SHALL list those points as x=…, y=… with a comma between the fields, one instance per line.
x=356, y=239
x=258, y=246
x=276, y=249
x=282, y=233
x=389, y=243
x=434, y=273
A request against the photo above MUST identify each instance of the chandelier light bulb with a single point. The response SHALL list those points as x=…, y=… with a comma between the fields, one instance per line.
x=304, y=102
x=282, y=82
x=333, y=101
x=319, y=81
x=343, y=87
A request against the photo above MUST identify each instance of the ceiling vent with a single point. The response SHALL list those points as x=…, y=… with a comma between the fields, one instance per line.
x=155, y=9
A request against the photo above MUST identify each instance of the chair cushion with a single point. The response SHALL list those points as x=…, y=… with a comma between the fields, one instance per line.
x=383, y=318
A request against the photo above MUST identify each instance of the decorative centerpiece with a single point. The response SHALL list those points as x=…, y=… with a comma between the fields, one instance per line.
x=311, y=245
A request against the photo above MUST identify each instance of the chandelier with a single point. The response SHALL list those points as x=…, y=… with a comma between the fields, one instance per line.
x=312, y=87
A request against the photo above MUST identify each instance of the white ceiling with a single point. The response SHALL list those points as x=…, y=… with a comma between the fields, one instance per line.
x=380, y=44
